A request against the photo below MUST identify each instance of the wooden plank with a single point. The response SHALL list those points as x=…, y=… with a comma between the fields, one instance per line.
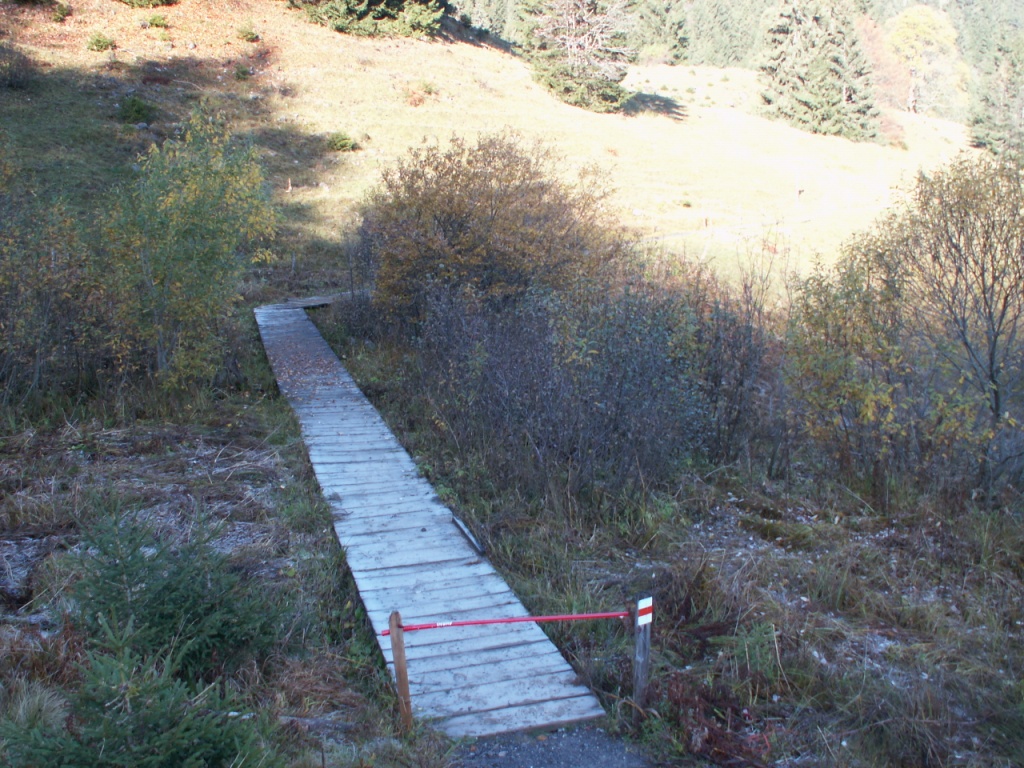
x=522, y=655
x=453, y=583
x=457, y=641
x=458, y=700
x=369, y=560
x=383, y=507
x=548, y=714
x=412, y=578
x=519, y=656
x=435, y=607
x=527, y=664
x=390, y=484
x=354, y=528
x=484, y=606
x=426, y=537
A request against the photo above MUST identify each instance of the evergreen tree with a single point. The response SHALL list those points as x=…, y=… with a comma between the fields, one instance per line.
x=997, y=119
x=658, y=25
x=581, y=52
x=815, y=75
x=725, y=34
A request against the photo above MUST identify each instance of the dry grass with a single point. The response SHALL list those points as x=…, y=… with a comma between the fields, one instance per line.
x=703, y=174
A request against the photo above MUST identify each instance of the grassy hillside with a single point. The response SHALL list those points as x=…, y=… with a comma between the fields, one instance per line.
x=698, y=170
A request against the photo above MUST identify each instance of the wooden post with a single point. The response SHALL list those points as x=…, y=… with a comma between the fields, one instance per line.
x=642, y=656
x=401, y=670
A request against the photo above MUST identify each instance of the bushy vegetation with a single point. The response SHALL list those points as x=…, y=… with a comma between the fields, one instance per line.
x=164, y=623
x=543, y=346
x=340, y=141
x=909, y=355
x=376, y=17
x=579, y=423
x=579, y=52
x=99, y=42
x=180, y=599
x=148, y=3
x=149, y=290
x=487, y=220
x=15, y=68
x=175, y=238
x=131, y=711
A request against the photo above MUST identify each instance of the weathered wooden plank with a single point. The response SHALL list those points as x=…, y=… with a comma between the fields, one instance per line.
x=371, y=557
x=463, y=640
x=548, y=714
x=528, y=663
x=451, y=583
x=545, y=685
x=521, y=656
x=381, y=507
x=426, y=539
x=411, y=578
x=455, y=608
x=354, y=529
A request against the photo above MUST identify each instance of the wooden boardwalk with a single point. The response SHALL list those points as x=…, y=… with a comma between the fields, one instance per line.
x=407, y=554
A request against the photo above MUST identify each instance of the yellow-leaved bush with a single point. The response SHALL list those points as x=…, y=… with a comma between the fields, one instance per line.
x=176, y=236
x=53, y=303
x=153, y=293
x=908, y=356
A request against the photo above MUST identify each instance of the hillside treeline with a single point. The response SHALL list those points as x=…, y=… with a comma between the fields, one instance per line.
x=962, y=60
x=586, y=373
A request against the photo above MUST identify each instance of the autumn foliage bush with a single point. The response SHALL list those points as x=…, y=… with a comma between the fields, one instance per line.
x=176, y=242
x=53, y=300
x=541, y=343
x=146, y=287
x=905, y=359
x=491, y=219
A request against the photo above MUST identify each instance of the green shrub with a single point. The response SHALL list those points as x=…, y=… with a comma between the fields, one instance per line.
x=341, y=142
x=184, y=601
x=175, y=241
x=132, y=712
x=61, y=12
x=242, y=71
x=15, y=68
x=100, y=42
x=159, y=21
x=373, y=17
x=248, y=33
x=596, y=94
x=135, y=110
x=148, y=3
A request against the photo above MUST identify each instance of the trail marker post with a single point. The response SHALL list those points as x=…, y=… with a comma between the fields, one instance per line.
x=642, y=654
x=401, y=669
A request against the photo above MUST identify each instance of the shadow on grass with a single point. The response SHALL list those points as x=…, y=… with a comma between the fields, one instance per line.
x=66, y=132
x=641, y=103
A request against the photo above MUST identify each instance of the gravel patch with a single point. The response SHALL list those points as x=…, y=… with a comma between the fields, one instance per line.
x=585, y=747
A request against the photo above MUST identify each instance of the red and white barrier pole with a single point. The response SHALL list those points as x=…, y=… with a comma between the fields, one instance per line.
x=642, y=654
